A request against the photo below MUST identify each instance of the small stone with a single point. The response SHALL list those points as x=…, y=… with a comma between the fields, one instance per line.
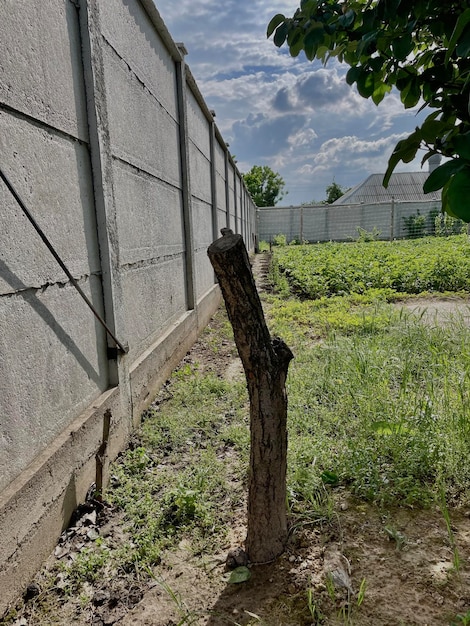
x=61, y=581
x=32, y=591
x=61, y=551
x=93, y=534
x=89, y=518
x=109, y=619
x=237, y=558
x=135, y=595
x=100, y=597
x=292, y=559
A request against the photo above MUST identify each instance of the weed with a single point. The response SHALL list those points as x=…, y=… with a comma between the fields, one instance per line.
x=280, y=240
x=450, y=532
x=364, y=235
x=361, y=594
x=463, y=619
x=398, y=537
x=313, y=609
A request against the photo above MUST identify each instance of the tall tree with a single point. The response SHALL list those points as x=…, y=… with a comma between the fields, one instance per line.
x=333, y=192
x=265, y=186
x=419, y=47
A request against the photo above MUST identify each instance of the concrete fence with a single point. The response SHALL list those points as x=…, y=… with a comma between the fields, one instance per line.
x=105, y=136
x=329, y=222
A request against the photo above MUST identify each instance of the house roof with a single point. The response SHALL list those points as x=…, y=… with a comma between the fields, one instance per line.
x=403, y=186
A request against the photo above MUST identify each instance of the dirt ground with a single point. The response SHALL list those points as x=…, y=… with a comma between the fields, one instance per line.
x=365, y=566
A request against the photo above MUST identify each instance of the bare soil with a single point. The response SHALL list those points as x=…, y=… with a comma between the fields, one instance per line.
x=365, y=566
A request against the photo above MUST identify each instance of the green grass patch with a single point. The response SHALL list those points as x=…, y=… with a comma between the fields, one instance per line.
x=386, y=413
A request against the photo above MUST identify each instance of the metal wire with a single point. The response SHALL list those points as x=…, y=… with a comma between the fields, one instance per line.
x=123, y=349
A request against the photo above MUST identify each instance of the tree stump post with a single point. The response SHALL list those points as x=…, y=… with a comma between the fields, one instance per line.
x=265, y=362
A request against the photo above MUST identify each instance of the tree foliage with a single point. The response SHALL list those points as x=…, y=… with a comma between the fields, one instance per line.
x=333, y=192
x=265, y=186
x=419, y=47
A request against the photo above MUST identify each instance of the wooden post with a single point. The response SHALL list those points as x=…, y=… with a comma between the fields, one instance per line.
x=265, y=362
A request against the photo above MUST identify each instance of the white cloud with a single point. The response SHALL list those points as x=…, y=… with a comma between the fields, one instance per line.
x=299, y=118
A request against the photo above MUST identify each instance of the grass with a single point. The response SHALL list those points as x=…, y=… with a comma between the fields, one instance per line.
x=380, y=400
x=379, y=404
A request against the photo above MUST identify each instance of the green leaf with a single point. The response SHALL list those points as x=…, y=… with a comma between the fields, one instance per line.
x=366, y=41
x=445, y=205
x=440, y=176
x=330, y=478
x=353, y=74
x=458, y=194
x=239, y=575
x=309, y=6
x=365, y=83
x=411, y=94
x=347, y=19
x=391, y=7
x=405, y=151
x=431, y=129
x=280, y=34
x=296, y=46
x=402, y=47
x=274, y=23
x=379, y=92
x=461, y=23
x=388, y=428
x=463, y=49
x=313, y=39
x=461, y=144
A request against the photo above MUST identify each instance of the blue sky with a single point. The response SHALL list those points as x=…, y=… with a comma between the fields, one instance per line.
x=298, y=117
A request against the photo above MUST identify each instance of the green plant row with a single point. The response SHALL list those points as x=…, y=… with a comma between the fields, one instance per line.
x=402, y=267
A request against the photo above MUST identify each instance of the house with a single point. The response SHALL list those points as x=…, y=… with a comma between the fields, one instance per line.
x=402, y=187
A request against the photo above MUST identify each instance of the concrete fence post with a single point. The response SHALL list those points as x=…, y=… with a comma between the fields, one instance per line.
x=102, y=172
x=235, y=200
x=227, y=193
x=212, y=139
x=185, y=178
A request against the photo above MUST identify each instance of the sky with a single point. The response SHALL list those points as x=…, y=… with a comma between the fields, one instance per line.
x=300, y=118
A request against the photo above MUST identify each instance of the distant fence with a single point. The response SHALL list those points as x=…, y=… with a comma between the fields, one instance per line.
x=328, y=222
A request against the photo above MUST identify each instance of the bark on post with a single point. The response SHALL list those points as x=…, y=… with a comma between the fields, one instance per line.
x=265, y=362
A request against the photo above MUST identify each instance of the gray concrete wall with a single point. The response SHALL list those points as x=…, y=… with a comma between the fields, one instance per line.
x=326, y=222
x=108, y=141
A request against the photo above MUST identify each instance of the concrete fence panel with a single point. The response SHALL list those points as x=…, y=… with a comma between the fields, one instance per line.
x=108, y=141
